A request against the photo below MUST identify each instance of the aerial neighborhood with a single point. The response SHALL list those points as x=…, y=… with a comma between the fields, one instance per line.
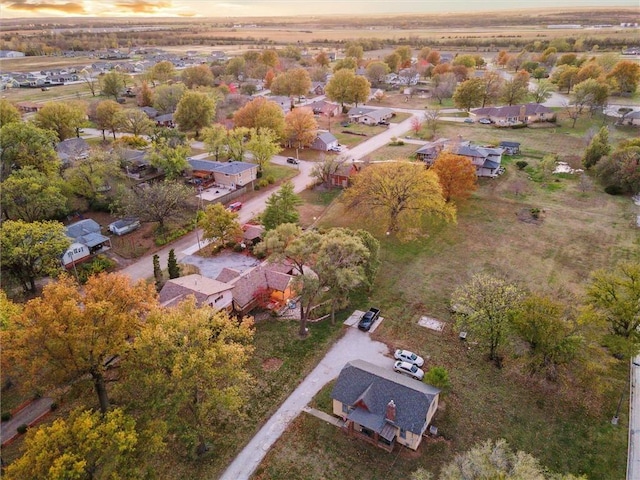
x=266, y=247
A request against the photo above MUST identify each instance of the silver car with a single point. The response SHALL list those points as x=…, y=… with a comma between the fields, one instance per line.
x=409, y=357
x=408, y=369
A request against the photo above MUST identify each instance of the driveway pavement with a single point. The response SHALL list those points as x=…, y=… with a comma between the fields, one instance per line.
x=352, y=346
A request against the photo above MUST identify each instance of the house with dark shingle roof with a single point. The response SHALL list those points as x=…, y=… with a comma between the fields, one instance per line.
x=206, y=291
x=324, y=141
x=370, y=116
x=232, y=174
x=487, y=160
x=510, y=114
x=72, y=149
x=86, y=240
x=383, y=407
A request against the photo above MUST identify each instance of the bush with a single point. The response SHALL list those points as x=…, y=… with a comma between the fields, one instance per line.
x=6, y=416
x=256, y=187
x=22, y=429
x=263, y=183
x=271, y=180
x=521, y=164
x=518, y=126
x=613, y=189
x=171, y=236
x=98, y=264
x=53, y=407
x=131, y=141
x=438, y=377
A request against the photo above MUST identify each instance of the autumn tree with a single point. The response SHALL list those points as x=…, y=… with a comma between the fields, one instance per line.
x=8, y=113
x=614, y=296
x=491, y=85
x=469, y=94
x=108, y=117
x=444, y=85
x=31, y=195
x=376, y=72
x=172, y=160
x=215, y=139
x=220, y=226
x=86, y=445
x=292, y=83
x=591, y=94
x=31, y=250
x=113, y=83
x=497, y=460
x=338, y=88
x=235, y=67
x=404, y=53
x=300, y=127
x=354, y=50
x=90, y=81
x=87, y=176
x=237, y=143
x=542, y=92
x=626, y=75
x=261, y=113
x=431, y=117
x=485, y=308
x=188, y=367
x=281, y=207
x=393, y=61
x=135, y=122
x=622, y=167
x=197, y=76
x=322, y=171
x=516, y=90
x=195, y=111
x=346, y=63
x=145, y=95
x=64, y=119
x=162, y=72
x=322, y=59
x=167, y=97
x=598, y=148
x=360, y=90
x=73, y=334
x=159, y=202
x=23, y=145
x=457, y=176
x=550, y=332
x=398, y=194
x=565, y=77
x=270, y=58
x=263, y=145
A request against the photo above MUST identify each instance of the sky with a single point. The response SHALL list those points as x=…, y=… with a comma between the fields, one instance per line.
x=258, y=8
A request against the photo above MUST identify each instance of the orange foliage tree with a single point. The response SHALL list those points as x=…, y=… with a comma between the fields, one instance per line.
x=457, y=176
x=71, y=334
x=261, y=113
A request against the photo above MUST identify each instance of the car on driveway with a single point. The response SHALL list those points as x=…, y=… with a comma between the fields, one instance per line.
x=292, y=160
x=408, y=369
x=336, y=148
x=468, y=120
x=485, y=121
x=368, y=319
x=409, y=357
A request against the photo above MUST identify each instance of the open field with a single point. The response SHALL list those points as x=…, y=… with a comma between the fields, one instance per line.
x=579, y=233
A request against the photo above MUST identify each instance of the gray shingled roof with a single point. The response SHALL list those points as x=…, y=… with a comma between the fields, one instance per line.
x=376, y=387
x=512, y=110
x=86, y=232
x=230, y=168
x=327, y=137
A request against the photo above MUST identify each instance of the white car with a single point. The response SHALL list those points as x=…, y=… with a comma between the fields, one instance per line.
x=337, y=148
x=409, y=357
x=408, y=369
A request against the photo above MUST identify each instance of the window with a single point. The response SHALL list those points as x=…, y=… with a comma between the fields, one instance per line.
x=218, y=298
x=345, y=408
x=403, y=433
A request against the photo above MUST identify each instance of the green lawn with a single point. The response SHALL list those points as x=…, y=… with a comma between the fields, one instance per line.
x=557, y=423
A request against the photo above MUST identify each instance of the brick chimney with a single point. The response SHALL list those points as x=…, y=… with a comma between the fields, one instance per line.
x=390, y=414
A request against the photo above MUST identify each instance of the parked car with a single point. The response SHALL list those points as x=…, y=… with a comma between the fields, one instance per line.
x=409, y=357
x=235, y=206
x=408, y=369
x=485, y=121
x=383, y=122
x=345, y=124
x=337, y=148
x=292, y=160
x=368, y=319
x=468, y=120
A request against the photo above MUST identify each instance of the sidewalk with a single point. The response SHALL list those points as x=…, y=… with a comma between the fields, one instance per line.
x=27, y=415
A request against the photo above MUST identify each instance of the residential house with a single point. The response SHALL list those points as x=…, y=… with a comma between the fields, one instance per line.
x=72, y=149
x=218, y=56
x=487, y=160
x=29, y=107
x=165, y=120
x=322, y=107
x=342, y=176
x=317, y=88
x=206, y=291
x=408, y=77
x=383, y=407
x=633, y=118
x=324, y=141
x=10, y=54
x=87, y=240
x=230, y=174
x=150, y=112
x=511, y=114
x=272, y=280
x=252, y=234
x=510, y=148
x=370, y=116
x=284, y=102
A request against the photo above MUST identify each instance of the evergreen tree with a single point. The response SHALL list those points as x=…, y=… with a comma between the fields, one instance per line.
x=157, y=271
x=172, y=265
x=281, y=207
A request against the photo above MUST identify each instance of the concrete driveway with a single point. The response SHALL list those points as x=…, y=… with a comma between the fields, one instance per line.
x=352, y=346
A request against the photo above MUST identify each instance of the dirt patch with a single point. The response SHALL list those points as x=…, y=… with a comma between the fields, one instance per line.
x=271, y=364
x=530, y=215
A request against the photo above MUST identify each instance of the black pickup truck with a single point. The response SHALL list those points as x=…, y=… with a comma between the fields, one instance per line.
x=368, y=319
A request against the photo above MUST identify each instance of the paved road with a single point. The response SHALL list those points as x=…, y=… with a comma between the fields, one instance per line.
x=633, y=457
x=26, y=416
x=353, y=345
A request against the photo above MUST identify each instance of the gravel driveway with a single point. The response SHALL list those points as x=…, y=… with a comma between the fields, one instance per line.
x=353, y=345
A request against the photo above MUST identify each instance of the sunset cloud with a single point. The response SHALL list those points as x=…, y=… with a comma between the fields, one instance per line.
x=69, y=8
x=142, y=6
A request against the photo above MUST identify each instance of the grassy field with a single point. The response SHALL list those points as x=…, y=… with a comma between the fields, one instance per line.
x=579, y=233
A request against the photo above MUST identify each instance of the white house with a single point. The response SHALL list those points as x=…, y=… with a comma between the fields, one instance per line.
x=76, y=253
x=206, y=291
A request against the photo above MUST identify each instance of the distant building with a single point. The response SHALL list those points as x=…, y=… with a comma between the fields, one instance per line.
x=10, y=54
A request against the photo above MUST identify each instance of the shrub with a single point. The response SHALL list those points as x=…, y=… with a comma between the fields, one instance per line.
x=5, y=416
x=263, y=183
x=53, y=407
x=535, y=212
x=256, y=187
x=613, y=189
x=521, y=164
x=22, y=429
x=100, y=263
x=438, y=377
x=131, y=141
x=271, y=180
x=518, y=126
x=237, y=247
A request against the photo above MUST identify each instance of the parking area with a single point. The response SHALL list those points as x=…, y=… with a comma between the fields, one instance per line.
x=355, y=317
